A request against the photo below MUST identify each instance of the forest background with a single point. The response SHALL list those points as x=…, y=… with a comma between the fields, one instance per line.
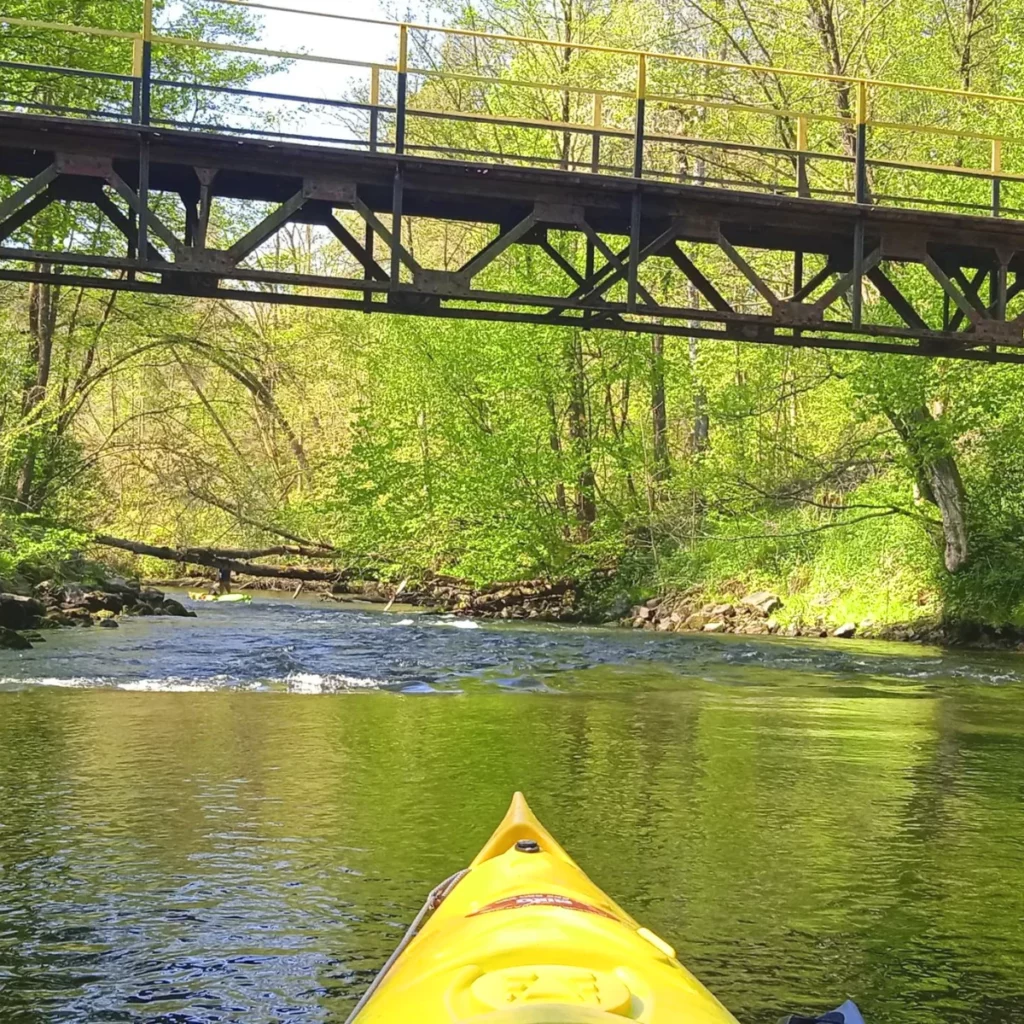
x=858, y=486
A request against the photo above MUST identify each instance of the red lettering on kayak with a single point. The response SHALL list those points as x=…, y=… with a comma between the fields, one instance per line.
x=542, y=899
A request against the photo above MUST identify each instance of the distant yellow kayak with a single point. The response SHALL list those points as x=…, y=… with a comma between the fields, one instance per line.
x=524, y=937
x=202, y=595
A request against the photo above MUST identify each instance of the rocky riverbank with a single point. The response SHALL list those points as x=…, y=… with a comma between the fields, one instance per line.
x=761, y=613
x=538, y=600
x=52, y=605
x=755, y=613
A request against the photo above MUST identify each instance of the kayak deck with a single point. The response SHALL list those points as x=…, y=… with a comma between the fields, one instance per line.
x=525, y=937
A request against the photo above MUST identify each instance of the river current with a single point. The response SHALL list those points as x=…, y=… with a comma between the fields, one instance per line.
x=234, y=817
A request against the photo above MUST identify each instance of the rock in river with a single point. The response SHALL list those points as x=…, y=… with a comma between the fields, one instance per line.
x=171, y=607
x=11, y=641
x=17, y=612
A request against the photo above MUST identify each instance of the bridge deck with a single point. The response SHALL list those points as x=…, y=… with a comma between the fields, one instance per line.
x=623, y=223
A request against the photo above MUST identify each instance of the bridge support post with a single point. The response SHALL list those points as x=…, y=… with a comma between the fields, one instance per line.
x=374, y=107
x=861, y=154
x=399, y=186
x=857, y=298
x=999, y=298
x=638, y=172
x=802, y=190
x=862, y=198
x=641, y=112
x=145, y=102
x=595, y=168
x=374, y=135
x=997, y=170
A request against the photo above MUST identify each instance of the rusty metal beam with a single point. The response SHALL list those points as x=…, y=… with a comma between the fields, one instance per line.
x=25, y=213
x=267, y=228
x=350, y=242
x=27, y=191
x=693, y=274
x=889, y=291
x=307, y=184
x=766, y=336
x=561, y=262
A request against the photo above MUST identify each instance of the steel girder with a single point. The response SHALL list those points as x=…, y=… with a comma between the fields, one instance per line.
x=633, y=255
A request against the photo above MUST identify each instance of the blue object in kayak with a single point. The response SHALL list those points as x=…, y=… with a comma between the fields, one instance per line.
x=845, y=1014
x=851, y=1014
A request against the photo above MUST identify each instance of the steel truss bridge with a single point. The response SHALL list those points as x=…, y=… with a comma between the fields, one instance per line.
x=647, y=229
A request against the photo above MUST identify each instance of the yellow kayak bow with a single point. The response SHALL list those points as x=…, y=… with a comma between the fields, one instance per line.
x=524, y=937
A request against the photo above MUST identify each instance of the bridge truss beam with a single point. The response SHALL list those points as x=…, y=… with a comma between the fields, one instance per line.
x=632, y=254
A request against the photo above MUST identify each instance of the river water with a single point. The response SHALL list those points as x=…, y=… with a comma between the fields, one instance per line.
x=234, y=817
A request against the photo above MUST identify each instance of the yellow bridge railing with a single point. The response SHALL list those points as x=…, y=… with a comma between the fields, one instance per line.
x=463, y=93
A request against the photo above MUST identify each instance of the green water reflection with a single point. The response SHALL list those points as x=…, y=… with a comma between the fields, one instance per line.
x=225, y=856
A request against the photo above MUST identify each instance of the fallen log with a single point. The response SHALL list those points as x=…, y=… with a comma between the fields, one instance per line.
x=215, y=558
x=246, y=554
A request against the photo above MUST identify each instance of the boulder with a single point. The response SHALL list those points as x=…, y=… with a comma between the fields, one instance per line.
x=50, y=592
x=723, y=611
x=17, y=612
x=664, y=625
x=119, y=585
x=696, y=621
x=11, y=641
x=33, y=637
x=107, y=624
x=653, y=602
x=715, y=627
x=845, y=631
x=643, y=613
x=97, y=601
x=171, y=607
x=763, y=602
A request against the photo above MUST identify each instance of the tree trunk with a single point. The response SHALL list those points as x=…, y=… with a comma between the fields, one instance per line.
x=701, y=422
x=823, y=16
x=42, y=319
x=555, y=440
x=428, y=484
x=938, y=480
x=214, y=559
x=579, y=434
x=659, y=416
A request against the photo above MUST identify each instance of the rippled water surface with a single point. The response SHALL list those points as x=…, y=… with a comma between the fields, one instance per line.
x=233, y=818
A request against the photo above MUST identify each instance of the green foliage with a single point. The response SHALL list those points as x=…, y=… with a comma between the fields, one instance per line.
x=500, y=452
x=34, y=548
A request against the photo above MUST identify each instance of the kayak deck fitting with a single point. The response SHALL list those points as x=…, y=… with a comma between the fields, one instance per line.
x=523, y=936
